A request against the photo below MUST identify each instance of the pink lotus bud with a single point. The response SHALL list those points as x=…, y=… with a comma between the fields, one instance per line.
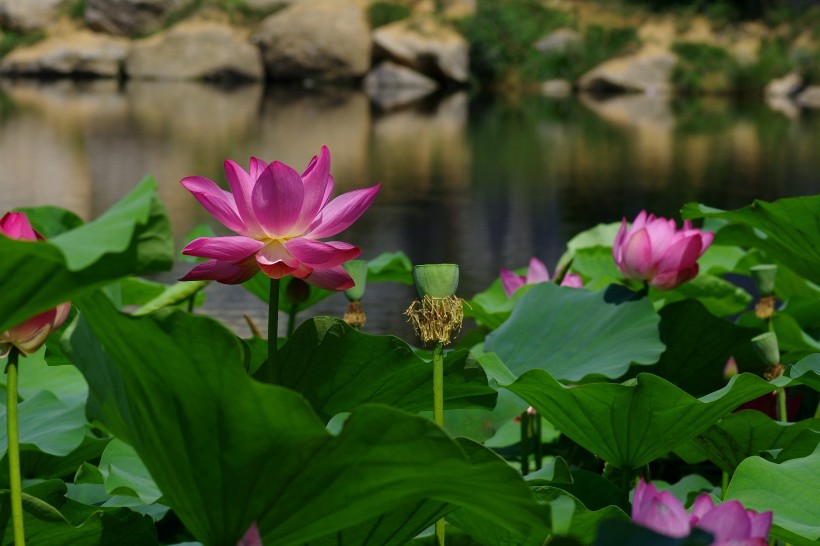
x=251, y=538
x=537, y=272
x=730, y=369
x=654, y=250
x=729, y=522
x=30, y=335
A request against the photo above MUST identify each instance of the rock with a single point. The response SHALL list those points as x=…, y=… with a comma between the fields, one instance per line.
x=658, y=31
x=556, y=88
x=810, y=97
x=390, y=85
x=28, y=15
x=82, y=53
x=559, y=41
x=265, y=5
x=325, y=39
x=648, y=71
x=787, y=86
x=129, y=17
x=426, y=45
x=195, y=50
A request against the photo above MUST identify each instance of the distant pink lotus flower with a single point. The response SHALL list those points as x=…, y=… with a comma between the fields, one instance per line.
x=537, y=272
x=31, y=334
x=654, y=250
x=251, y=538
x=729, y=522
x=279, y=217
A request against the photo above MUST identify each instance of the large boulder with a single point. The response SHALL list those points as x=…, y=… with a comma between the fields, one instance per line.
x=787, y=86
x=426, y=45
x=28, y=15
x=390, y=85
x=810, y=97
x=648, y=71
x=323, y=39
x=195, y=50
x=81, y=53
x=129, y=17
x=562, y=40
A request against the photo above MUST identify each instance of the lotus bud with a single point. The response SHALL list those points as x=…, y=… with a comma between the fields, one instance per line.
x=766, y=348
x=730, y=369
x=439, y=313
x=357, y=269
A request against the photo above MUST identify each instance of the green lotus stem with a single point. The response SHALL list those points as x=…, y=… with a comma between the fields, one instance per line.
x=539, y=452
x=270, y=371
x=781, y=405
x=525, y=443
x=438, y=412
x=14, y=450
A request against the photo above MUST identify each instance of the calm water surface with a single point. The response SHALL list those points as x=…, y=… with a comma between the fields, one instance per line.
x=482, y=183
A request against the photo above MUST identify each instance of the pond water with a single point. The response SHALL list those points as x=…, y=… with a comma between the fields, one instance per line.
x=479, y=182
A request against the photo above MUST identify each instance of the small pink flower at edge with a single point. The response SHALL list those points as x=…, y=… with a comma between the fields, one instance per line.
x=654, y=250
x=536, y=272
x=251, y=538
x=30, y=335
x=279, y=217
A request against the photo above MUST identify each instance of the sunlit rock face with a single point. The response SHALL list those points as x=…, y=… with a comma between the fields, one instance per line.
x=425, y=45
x=195, y=50
x=324, y=39
x=28, y=15
x=129, y=17
x=80, y=53
x=648, y=71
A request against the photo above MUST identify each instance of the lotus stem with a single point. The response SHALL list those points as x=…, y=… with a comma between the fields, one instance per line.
x=438, y=412
x=539, y=451
x=14, y=449
x=269, y=371
x=724, y=485
x=525, y=443
x=781, y=405
x=291, y=320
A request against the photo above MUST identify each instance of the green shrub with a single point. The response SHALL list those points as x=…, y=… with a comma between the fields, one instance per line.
x=383, y=13
x=501, y=36
x=703, y=68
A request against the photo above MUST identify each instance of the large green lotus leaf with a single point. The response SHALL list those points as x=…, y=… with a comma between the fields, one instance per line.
x=807, y=371
x=51, y=221
x=573, y=333
x=719, y=296
x=52, y=519
x=48, y=424
x=788, y=230
x=65, y=382
x=123, y=472
x=226, y=450
x=788, y=489
x=744, y=434
x=133, y=237
x=492, y=307
x=596, y=267
x=601, y=235
x=390, y=267
x=338, y=368
x=38, y=465
x=629, y=425
x=698, y=344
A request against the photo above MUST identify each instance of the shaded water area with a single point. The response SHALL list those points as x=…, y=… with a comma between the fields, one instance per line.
x=485, y=183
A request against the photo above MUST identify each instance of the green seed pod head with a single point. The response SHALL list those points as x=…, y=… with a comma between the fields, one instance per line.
x=436, y=280
x=766, y=348
x=764, y=276
x=358, y=270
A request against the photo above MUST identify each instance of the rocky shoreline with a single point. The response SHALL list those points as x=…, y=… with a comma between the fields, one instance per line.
x=319, y=41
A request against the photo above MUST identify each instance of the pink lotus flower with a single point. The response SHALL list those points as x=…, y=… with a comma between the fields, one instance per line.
x=729, y=522
x=279, y=217
x=653, y=250
x=537, y=272
x=31, y=334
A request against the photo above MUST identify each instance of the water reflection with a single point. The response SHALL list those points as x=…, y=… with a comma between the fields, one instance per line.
x=486, y=184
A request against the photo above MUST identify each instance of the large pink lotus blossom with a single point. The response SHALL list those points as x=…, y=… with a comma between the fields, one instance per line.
x=31, y=334
x=654, y=250
x=729, y=522
x=537, y=272
x=279, y=217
